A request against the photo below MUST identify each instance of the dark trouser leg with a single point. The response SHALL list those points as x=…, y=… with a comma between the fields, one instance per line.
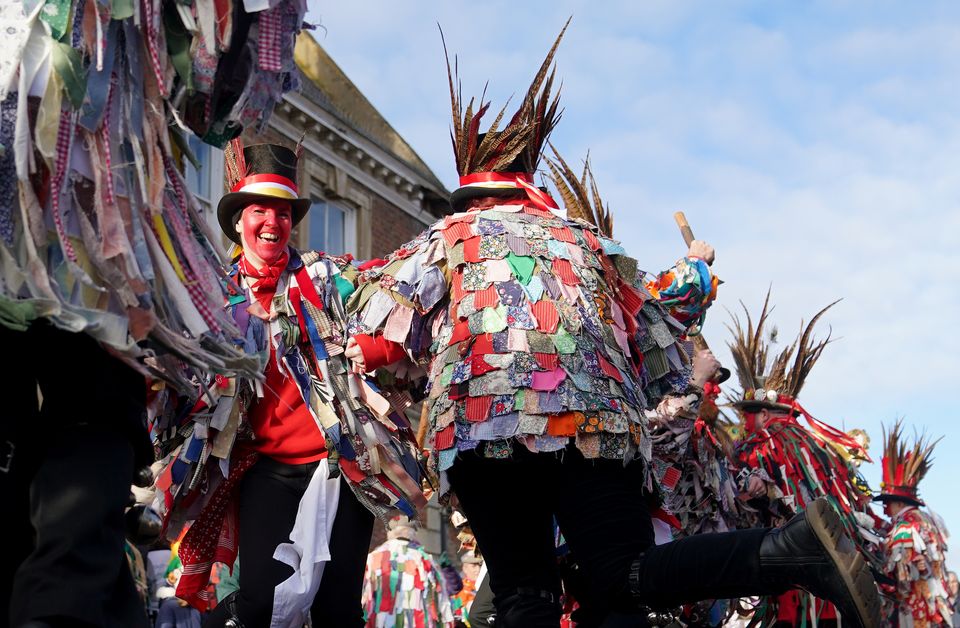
x=79, y=454
x=18, y=419
x=270, y=494
x=338, y=599
x=604, y=516
x=77, y=499
x=706, y=566
x=603, y=513
x=504, y=502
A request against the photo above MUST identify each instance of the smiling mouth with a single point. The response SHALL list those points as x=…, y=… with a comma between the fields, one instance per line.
x=268, y=237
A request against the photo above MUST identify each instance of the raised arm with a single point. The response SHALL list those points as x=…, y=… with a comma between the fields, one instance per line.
x=688, y=288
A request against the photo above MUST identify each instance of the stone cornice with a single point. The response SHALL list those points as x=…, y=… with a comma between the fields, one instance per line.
x=368, y=164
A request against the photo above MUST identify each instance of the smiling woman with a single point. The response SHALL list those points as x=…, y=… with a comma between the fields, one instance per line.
x=293, y=445
x=264, y=229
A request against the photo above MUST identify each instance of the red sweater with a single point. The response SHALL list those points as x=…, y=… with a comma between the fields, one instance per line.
x=284, y=428
x=378, y=351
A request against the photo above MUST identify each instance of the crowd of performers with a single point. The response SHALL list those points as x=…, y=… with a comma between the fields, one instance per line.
x=571, y=411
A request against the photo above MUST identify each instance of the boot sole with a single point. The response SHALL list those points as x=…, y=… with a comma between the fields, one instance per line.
x=864, y=598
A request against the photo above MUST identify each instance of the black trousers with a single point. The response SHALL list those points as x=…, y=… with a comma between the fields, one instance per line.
x=270, y=494
x=603, y=513
x=65, y=472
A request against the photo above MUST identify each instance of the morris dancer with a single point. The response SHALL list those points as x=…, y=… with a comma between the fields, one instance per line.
x=289, y=467
x=915, y=548
x=544, y=353
x=404, y=584
x=788, y=465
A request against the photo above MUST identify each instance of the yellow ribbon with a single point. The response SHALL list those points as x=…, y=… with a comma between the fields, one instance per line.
x=167, y=244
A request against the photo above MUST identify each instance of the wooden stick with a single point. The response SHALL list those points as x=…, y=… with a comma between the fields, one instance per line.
x=422, y=427
x=685, y=229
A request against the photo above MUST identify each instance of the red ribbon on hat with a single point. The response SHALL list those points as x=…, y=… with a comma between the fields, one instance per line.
x=825, y=431
x=264, y=178
x=519, y=180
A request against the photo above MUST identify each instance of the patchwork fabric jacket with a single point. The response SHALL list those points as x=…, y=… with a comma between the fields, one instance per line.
x=367, y=435
x=532, y=327
x=98, y=231
x=404, y=586
x=916, y=559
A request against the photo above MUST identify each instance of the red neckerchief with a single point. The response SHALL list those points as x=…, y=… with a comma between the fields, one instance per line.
x=266, y=276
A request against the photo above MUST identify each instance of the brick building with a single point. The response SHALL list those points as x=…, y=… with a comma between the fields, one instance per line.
x=371, y=191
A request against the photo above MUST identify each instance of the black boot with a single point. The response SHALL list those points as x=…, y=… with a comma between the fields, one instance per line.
x=813, y=552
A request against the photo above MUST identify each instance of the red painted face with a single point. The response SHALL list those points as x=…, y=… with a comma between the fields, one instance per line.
x=264, y=229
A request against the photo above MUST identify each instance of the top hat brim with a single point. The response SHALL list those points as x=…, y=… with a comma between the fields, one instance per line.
x=460, y=196
x=234, y=202
x=753, y=405
x=887, y=497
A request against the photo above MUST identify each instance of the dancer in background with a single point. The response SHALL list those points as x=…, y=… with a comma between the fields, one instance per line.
x=788, y=464
x=915, y=549
x=404, y=584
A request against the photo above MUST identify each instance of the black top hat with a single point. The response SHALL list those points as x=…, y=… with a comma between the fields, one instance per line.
x=460, y=196
x=256, y=173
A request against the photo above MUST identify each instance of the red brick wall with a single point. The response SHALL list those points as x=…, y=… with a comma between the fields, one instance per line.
x=390, y=227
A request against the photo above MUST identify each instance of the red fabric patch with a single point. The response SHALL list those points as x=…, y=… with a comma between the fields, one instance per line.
x=456, y=286
x=386, y=601
x=479, y=366
x=536, y=211
x=547, y=316
x=592, y=240
x=563, y=424
x=456, y=232
x=563, y=234
x=461, y=331
x=563, y=269
x=352, y=470
x=452, y=220
x=471, y=250
x=458, y=391
x=487, y=297
x=307, y=288
x=630, y=299
x=444, y=438
x=670, y=478
x=609, y=369
x=547, y=361
x=608, y=268
x=482, y=345
x=478, y=408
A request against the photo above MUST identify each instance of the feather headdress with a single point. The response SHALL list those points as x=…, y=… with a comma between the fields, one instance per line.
x=521, y=141
x=580, y=195
x=234, y=163
x=904, y=465
x=779, y=386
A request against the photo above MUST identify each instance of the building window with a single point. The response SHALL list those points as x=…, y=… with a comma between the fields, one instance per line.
x=331, y=227
x=206, y=183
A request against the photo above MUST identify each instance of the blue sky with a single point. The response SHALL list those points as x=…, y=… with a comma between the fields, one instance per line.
x=815, y=144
